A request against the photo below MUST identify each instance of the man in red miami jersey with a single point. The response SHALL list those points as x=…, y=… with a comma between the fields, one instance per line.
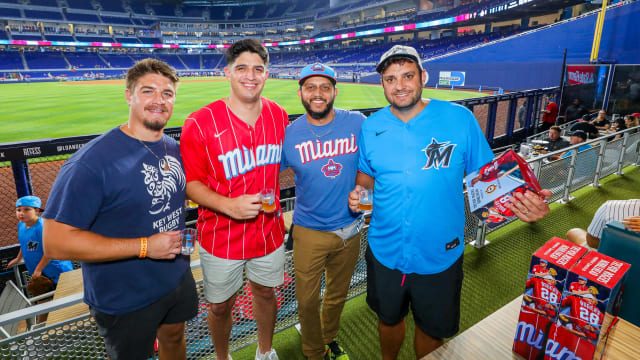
x=541, y=269
x=585, y=316
x=579, y=287
x=545, y=296
x=231, y=150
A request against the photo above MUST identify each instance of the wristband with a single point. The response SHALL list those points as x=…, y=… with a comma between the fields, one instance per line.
x=143, y=247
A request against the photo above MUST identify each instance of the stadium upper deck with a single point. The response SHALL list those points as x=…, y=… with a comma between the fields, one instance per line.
x=284, y=23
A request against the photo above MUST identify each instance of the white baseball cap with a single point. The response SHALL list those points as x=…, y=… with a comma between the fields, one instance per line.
x=400, y=51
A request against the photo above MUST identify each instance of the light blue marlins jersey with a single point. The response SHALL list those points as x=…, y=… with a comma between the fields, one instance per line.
x=418, y=215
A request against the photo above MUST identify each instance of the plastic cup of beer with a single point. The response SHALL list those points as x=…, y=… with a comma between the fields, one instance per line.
x=366, y=200
x=187, y=238
x=268, y=200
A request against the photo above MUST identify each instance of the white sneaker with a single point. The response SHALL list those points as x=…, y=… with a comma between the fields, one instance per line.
x=269, y=355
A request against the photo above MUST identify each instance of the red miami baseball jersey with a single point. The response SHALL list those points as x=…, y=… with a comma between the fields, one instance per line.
x=233, y=158
x=544, y=293
x=491, y=171
x=583, y=312
x=575, y=286
x=538, y=269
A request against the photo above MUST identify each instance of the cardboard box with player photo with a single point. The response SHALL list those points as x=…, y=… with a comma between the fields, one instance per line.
x=547, y=276
x=543, y=293
x=593, y=288
x=490, y=187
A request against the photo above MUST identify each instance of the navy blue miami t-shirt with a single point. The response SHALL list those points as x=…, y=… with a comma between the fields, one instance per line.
x=116, y=187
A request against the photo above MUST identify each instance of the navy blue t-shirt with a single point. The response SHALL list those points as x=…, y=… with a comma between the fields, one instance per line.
x=116, y=187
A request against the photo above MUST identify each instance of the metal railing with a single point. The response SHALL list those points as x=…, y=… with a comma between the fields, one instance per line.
x=566, y=175
x=78, y=337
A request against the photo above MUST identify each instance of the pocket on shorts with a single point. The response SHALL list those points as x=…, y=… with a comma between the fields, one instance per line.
x=105, y=321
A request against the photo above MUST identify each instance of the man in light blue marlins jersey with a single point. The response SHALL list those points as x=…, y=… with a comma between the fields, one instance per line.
x=415, y=153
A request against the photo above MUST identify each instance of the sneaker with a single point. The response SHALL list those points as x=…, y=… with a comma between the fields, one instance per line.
x=269, y=355
x=335, y=352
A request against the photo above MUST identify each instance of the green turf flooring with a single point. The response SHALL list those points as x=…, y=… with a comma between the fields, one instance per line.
x=494, y=275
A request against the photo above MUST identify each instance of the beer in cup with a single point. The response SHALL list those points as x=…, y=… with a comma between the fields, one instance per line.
x=268, y=200
x=366, y=200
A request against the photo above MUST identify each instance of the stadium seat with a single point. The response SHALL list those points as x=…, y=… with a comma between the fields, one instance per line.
x=622, y=244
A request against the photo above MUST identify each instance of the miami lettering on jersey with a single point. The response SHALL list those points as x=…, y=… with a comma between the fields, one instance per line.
x=438, y=154
x=237, y=162
x=316, y=150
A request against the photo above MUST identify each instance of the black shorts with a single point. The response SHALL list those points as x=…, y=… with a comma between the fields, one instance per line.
x=434, y=299
x=132, y=335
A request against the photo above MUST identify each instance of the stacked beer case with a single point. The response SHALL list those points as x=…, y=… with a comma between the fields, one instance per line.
x=567, y=293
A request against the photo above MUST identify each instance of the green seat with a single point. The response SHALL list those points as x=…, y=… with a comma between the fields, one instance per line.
x=622, y=244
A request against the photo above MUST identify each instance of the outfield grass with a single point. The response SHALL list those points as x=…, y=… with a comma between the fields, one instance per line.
x=53, y=110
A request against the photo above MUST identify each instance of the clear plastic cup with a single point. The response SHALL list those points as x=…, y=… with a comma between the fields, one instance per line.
x=366, y=200
x=188, y=237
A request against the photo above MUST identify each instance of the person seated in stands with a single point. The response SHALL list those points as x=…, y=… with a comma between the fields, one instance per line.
x=601, y=122
x=618, y=125
x=574, y=111
x=631, y=121
x=584, y=125
x=577, y=137
x=626, y=211
x=556, y=142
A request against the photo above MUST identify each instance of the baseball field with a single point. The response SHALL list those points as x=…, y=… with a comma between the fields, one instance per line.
x=60, y=109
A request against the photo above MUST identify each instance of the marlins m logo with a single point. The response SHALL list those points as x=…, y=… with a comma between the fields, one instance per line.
x=438, y=154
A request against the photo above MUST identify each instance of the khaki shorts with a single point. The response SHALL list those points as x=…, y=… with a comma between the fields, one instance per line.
x=223, y=277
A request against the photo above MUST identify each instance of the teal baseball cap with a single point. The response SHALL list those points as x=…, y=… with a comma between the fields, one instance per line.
x=317, y=69
x=32, y=201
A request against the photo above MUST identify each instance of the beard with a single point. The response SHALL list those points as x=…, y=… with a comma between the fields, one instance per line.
x=315, y=114
x=414, y=101
x=155, y=125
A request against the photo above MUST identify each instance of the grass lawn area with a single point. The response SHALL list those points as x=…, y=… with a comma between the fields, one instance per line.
x=61, y=109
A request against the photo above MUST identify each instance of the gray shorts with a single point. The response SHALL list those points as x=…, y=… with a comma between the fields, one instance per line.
x=223, y=277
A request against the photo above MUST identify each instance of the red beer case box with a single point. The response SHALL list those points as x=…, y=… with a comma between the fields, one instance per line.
x=593, y=288
x=540, y=306
x=490, y=187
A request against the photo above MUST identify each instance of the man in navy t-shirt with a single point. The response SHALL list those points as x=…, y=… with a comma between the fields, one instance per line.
x=322, y=149
x=116, y=206
x=414, y=154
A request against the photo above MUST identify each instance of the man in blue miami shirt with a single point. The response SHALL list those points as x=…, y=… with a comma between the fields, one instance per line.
x=414, y=153
x=321, y=147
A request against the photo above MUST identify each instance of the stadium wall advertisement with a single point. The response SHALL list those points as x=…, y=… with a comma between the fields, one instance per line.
x=534, y=60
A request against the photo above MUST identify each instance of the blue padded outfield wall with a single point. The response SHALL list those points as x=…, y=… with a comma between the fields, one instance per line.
x=534, y=60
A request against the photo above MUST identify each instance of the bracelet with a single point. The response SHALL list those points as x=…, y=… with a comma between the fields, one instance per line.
x=143, y=247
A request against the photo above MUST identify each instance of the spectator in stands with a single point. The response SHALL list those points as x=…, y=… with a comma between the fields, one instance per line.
x=574, y=111
x=556, y=142
x=414, y=163
x=30, y=238
x=577, y=137
x=227, y=189
x=117, y=205
x=625, y=211
x=631, y=121
x=549, y=114
x=522, y=113
x=584, y=125
x=601, y=122
x=326, y=234
x=618, y=125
